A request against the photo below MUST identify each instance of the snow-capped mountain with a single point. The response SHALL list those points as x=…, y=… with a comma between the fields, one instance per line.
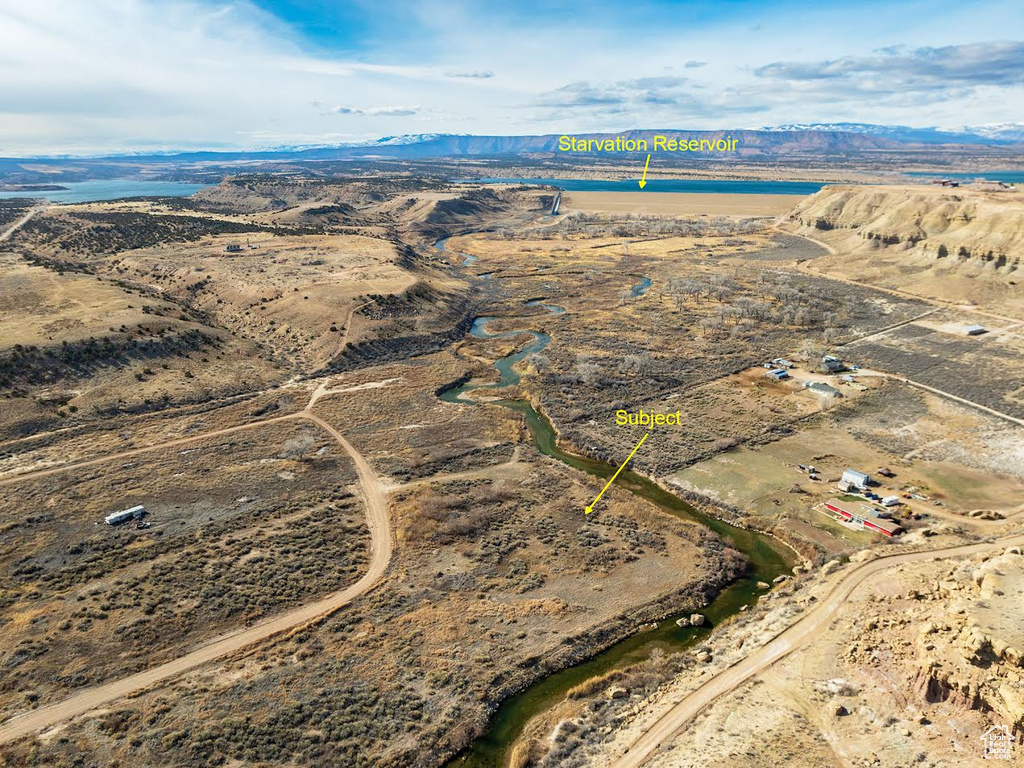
x=1002, y=133
x=1012, y=132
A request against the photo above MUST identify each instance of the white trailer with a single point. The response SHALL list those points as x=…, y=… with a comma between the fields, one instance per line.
x=132, y=513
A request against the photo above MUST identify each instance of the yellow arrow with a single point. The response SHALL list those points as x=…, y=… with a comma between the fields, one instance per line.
x=588, y=510
x=643, y=181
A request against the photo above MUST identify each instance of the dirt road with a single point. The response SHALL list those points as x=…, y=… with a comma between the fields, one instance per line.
x=381, y=548
x=146, y=449
x=957, y=398
x=6, y=234
x=810, y=625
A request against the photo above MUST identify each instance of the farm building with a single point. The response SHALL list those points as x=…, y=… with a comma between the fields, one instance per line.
x=821, y=388
x=132, y=513
x=830, y=364
x=778, y=374
x=975, y=330
x=234, y=248
x=862, y=516
x=856, y=479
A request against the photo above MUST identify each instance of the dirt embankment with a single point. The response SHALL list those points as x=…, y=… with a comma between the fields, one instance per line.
x=965, y=224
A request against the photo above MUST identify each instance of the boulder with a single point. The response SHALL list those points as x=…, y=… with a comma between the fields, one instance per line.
x=697, y=620
x=863, y=556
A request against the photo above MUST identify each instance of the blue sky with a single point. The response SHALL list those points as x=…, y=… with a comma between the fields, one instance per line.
x=113, y=75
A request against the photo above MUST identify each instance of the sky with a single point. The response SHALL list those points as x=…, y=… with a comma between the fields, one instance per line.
x=146, y=75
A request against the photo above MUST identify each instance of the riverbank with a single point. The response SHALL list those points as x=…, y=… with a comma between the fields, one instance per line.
x=726, y=593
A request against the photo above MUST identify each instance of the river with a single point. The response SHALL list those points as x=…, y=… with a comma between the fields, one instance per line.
x=767, y=559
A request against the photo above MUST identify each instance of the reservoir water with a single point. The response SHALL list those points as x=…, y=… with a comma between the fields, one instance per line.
x=705, y=186
x=767, y=559
x=1009, y=177
x=108, y=189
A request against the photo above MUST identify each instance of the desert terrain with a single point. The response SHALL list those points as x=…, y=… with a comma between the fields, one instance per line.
x=364, y=420
x=679, y=203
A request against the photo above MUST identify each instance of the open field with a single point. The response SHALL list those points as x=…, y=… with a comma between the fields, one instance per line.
x=493, y=570
x=296, y=296
x=74, y=343
x=234, y=526
x=679, y=203
x=986, y=369
x=678, y=345
x=344, y=567
x=939, y=490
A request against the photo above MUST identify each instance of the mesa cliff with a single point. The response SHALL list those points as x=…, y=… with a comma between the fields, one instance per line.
x=956, y=223
x=963, y=244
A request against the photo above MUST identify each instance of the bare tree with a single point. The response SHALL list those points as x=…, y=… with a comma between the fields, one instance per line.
x=298, y=448
x=811, y=351
x=589, y=373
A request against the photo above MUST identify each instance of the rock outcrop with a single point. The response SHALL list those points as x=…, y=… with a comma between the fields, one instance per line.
x=961, y=224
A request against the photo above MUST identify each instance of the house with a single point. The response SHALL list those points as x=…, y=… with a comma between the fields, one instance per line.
x=975, y=330
x=830, y=364
x=862, y=516
x=856, y=479
x=823, y=389
x=116, y=518
x=778, y=374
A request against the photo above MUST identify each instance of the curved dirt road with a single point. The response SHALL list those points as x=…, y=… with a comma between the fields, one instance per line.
x=375, y=498
x=806, y=629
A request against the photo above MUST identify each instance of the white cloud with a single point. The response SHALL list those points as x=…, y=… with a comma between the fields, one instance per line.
x=125, y=74
x=476, y=75
x=374, y=111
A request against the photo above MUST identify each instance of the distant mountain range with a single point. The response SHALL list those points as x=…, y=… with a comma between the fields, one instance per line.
x=775, y=143
x=775, y=140
x=999, y=133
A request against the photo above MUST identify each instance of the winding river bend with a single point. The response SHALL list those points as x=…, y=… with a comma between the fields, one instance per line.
x=767, y=559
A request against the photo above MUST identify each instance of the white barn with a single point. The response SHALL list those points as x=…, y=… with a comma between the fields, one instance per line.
x=856, y=478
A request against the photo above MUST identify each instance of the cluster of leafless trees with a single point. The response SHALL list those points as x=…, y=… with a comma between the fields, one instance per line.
x=634, y=225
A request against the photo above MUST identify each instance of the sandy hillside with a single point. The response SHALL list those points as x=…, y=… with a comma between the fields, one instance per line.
x=961, y=244
x=680, y=204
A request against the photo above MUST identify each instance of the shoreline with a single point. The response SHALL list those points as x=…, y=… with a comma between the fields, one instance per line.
x=682, y=203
